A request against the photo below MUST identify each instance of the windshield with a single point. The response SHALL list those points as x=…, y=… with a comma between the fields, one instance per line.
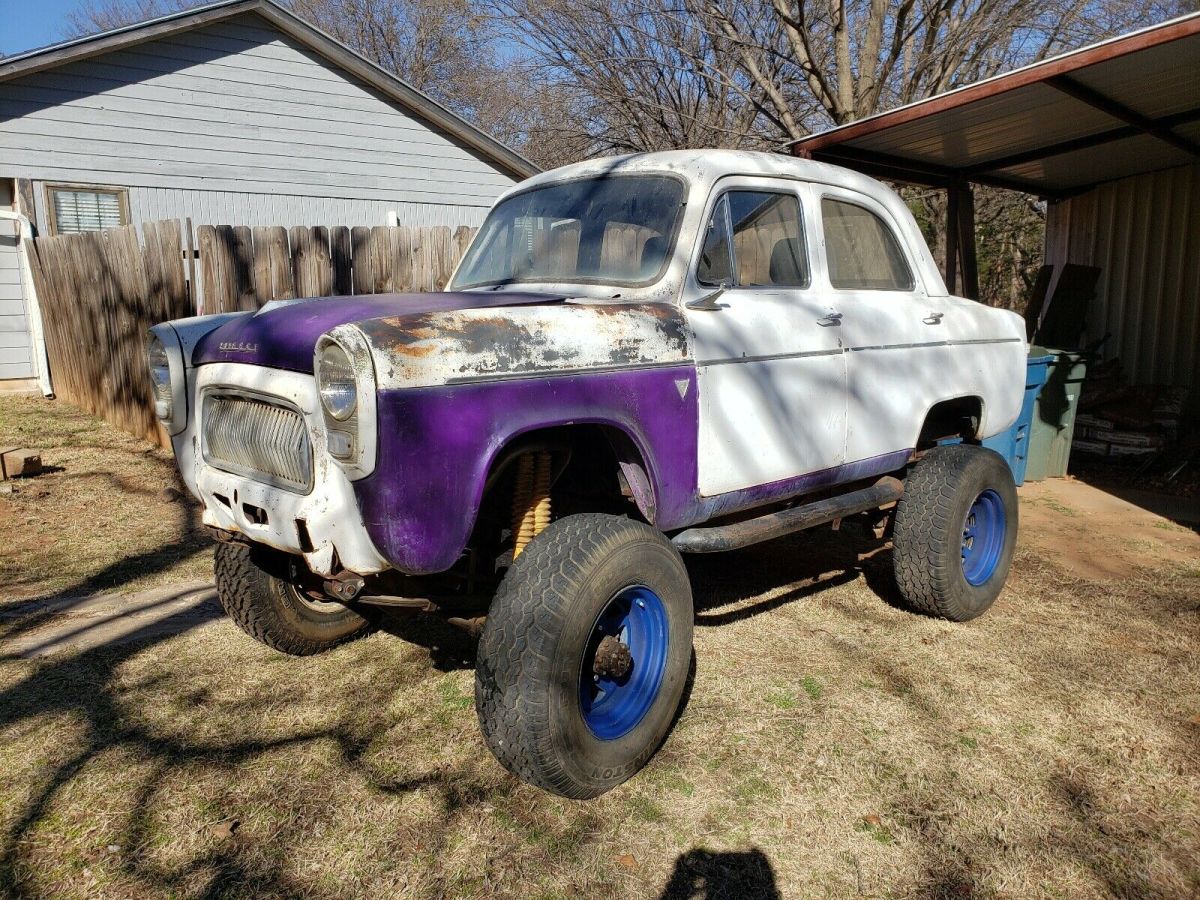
x=617, y=229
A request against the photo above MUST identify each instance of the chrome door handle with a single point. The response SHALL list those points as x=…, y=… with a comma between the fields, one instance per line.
x=933, y=318
x=831, y=319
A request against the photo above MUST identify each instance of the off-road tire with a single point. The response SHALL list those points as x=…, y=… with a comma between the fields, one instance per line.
x=928, y=538
x=269, y=609
x=529, y=663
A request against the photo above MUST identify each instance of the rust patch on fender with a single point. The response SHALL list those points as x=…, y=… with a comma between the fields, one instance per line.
x=433, y=348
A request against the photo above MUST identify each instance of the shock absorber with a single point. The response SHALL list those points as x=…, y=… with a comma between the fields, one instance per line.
x=531, y=498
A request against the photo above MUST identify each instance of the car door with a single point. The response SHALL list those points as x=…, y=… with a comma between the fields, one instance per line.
x=771, y=373
x=891, y=329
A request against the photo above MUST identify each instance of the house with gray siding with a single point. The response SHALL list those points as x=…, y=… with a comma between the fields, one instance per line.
x=237, y=113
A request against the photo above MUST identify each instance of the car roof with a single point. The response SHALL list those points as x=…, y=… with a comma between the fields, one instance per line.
x=707, y=166
x=703, y=168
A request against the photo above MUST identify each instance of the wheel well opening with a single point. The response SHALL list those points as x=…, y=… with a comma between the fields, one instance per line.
x=957, y=418
x=596, y=469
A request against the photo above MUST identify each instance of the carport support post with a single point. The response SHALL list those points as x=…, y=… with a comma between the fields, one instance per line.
x=966, y=242
x=952, y=198
x=960, y=240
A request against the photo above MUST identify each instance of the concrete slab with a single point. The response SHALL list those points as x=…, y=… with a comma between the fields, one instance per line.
x=37, y=628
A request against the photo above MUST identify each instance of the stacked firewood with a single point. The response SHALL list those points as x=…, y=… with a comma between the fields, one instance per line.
x=1117, y=420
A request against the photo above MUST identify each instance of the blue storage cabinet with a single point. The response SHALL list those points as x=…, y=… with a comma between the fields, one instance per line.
x=1013, y=444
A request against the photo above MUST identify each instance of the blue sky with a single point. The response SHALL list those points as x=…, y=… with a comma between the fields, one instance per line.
x=25, y=24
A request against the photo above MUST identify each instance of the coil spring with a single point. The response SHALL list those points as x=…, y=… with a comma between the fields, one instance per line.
x=531, y=499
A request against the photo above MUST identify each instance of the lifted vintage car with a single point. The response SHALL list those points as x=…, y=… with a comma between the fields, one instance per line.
x=638, y=357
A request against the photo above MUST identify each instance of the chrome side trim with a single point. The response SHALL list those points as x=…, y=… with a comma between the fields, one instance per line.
x=833, y=352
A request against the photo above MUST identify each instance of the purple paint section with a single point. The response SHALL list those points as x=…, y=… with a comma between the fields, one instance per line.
x=285, y=337
x=762, y=494
x=437, y=445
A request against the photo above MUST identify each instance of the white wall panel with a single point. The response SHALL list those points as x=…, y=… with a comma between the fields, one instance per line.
x=237, y=123
x=1143, y=233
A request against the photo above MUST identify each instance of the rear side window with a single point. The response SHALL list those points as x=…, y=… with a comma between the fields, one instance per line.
x=755, y=239
x=861, y=250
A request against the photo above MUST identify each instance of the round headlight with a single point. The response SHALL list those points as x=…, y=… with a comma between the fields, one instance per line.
x=339, y=393
x=160, y=378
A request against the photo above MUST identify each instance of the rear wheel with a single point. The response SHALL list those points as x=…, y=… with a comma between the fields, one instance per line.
x=256, y=590
x=585, y=654
x=955, y=531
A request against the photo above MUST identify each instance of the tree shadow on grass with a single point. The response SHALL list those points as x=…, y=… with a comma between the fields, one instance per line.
x=85, y=688
x=157, y=560
x=792, y=568
x=29, y=615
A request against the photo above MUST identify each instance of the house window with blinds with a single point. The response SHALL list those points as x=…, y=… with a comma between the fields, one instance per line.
x=75, y=209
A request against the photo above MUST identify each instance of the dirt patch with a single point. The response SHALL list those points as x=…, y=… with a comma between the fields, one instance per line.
x=107, y=515
x=1098, y=535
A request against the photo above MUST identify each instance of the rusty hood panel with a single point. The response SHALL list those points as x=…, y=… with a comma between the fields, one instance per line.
x=471, y=345
x=284, y=336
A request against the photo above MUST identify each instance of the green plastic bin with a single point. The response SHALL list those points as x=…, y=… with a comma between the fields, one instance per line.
x=1054, y=414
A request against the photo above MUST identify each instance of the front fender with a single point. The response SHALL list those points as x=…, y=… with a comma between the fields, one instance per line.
x=567, y=339
x=437, y=446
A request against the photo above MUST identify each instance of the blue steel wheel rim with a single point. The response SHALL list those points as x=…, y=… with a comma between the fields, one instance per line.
x=983, y=537
x=612, y=707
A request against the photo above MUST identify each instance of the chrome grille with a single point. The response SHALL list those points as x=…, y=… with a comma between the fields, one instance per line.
x=261, y=440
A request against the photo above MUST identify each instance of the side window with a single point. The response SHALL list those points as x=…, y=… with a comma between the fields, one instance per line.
x=755, y=240
x=861, y=250
x=767, y=243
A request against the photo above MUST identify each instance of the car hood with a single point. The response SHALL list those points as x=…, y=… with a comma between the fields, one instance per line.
x=283, y=335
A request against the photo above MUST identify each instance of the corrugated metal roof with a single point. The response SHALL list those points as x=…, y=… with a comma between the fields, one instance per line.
x=1051, y=128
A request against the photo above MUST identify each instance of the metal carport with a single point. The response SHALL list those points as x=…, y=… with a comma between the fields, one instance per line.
x=1109, y=135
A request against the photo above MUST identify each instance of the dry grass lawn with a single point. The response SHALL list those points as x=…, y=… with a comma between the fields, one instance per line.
x=834, y=745
x=98, y=519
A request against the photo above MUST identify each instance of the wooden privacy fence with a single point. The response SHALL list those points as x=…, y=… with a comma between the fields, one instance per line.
x=242, y=267
x=100, y=292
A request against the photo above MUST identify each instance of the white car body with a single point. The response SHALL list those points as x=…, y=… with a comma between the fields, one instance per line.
x=772, y=391
x=781, y=395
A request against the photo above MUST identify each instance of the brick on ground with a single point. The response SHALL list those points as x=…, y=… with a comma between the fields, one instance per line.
x=19, y=462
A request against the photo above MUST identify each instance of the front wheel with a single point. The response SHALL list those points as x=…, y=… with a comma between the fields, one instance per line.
x=585, y=654
x=956, y=529
x=255, y=590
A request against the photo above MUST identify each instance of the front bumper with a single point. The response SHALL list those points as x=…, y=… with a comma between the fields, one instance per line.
x=324, y=526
